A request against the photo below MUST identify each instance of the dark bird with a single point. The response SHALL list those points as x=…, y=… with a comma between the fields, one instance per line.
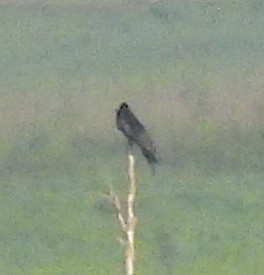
x=135, y=132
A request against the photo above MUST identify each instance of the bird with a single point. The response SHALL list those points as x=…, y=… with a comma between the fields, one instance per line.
x=135, y=132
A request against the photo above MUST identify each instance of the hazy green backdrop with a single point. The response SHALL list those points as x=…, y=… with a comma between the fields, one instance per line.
x=193, y=73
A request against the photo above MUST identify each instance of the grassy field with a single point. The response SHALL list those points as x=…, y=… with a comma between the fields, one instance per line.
x=193, y=72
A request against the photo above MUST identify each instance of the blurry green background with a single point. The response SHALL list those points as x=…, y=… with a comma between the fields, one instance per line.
x=193, y=73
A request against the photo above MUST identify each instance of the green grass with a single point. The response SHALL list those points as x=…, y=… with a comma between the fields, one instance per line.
x=192, y=71
x=190, y=224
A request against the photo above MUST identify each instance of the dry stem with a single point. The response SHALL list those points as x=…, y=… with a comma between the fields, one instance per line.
x=131, y=219
x=128, y=224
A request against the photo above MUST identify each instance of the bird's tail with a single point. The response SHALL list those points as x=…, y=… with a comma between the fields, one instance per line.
x=149, y=155
x=151, y=158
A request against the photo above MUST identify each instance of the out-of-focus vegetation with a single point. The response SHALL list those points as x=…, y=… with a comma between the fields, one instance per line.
x=193, y=72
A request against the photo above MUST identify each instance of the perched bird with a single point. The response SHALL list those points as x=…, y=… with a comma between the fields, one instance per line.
x=135, y=132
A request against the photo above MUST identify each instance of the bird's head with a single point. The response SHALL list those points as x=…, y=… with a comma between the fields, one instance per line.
x=124, y=106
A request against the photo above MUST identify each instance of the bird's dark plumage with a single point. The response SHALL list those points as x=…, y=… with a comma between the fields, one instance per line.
x=135, y=132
